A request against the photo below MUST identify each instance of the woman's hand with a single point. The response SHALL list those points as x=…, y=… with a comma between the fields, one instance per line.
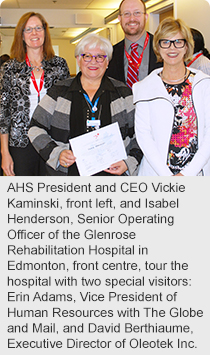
x=67, y=158
x=7, y=164
x=117, y=168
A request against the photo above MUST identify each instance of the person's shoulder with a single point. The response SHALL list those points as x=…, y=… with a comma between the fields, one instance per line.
x=205, y=60
x=56, y=60
x=121, y=87
x=150, y=77
x=119, y=45
x=148, y=87
x=66, y=82
x=116, y=83
x=13, y=63
x=59, y=88
x=200, y=76
x=150, y=34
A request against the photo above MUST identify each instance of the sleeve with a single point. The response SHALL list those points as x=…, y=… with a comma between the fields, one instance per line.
x=133, y=150
x=65, y=73
x=146, y=141
x=39, y=132
x=202, y=155
x=5, y=87
x=124, y=110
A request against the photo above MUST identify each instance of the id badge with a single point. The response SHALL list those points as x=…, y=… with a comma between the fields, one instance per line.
x=94, y=123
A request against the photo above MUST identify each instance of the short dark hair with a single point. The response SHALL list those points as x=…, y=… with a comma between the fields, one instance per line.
x=4, y=58
x=198, y=40
x=199, y=43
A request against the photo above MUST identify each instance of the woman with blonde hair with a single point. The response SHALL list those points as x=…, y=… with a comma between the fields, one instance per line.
x=24, y=80
x=172, y=120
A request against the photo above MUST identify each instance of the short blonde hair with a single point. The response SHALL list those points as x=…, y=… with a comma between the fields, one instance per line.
x=169, y=27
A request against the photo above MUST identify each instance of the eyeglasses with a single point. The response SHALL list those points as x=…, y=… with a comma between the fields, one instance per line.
x=100, y=58
x=30, y=29
x=166, y=43
x=127, y=14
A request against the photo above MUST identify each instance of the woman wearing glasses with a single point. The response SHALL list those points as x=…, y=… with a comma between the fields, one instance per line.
x=24, y=80
x=79, y=105
x=173, y=108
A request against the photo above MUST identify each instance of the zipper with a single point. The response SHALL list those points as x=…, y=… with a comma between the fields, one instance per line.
x=193, y=87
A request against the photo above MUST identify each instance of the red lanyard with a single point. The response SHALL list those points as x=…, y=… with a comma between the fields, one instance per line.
x=192, y=61
x=34, y=80
x=130, y=60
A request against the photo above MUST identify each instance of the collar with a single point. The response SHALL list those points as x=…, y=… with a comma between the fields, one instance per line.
x=194, y=55
x=106, y=84
x=148, y=88
x=140, y=42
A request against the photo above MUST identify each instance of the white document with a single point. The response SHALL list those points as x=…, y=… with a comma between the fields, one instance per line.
x=97, y=150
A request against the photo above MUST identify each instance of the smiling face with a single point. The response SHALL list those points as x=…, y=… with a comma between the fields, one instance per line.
x=172, y=55
x=132, y=26
x=34, y=39
x=92, y=70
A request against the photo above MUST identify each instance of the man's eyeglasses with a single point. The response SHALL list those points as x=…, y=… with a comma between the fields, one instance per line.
x=127, y=14
x=100, y=58
x=30, y=29
x=166, y=43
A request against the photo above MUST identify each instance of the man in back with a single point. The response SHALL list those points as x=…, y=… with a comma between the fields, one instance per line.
x=133, y=58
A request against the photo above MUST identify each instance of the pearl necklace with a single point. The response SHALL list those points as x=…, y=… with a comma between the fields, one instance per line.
x=174, y=81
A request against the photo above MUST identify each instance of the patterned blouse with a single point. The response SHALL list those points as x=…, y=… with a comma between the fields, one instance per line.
x=184, y=137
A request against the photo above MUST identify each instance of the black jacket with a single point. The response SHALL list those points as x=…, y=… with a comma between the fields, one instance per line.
x=116, y=65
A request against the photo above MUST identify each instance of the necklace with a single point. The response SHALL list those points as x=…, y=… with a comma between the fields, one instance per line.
x=38, y=68
x=35, y=67
x=93, y=107
x=174, y=81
